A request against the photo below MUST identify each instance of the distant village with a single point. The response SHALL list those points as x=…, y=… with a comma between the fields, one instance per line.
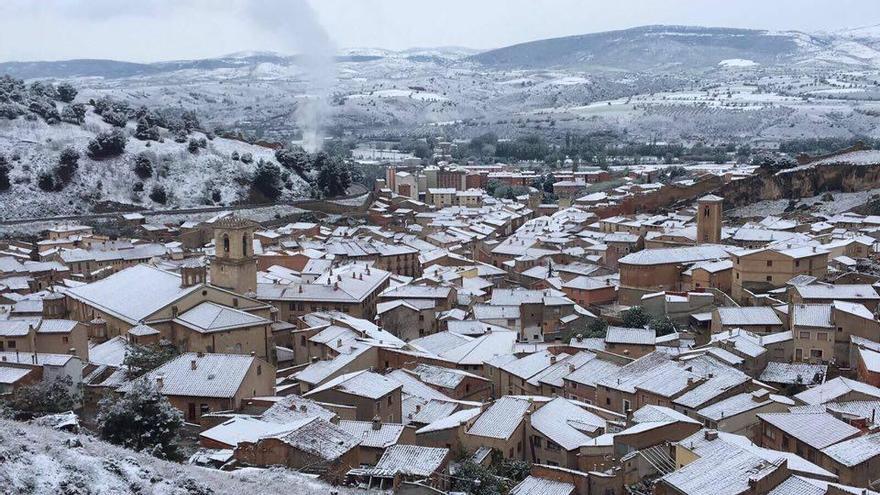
x=429, y=337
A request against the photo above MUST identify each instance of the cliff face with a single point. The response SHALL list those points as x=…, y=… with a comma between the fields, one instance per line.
x=801, y=183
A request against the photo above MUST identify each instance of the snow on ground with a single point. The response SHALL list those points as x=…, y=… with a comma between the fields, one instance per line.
x=842, y=202
x=37, y=461
x=737, y=62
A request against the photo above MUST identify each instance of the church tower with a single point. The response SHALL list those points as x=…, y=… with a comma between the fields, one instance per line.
x=709, y=219
x=234, y=265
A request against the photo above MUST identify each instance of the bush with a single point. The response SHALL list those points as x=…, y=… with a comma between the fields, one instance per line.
x=662, y=326
x=45, y=108
x=142, y=420
x=267, y=179
x=4, y=173
x=159, y=195
x=66, y=92
x=636, y=317
x=46, y=181
x=115, y=118
x=68, y=163
x=247, y=158
x=143, y=166
x=334, y=176
x=74, y=113
x=44, y=397
x=193, y=146
x=145, y=131
x=107, y=144
x=234, y=156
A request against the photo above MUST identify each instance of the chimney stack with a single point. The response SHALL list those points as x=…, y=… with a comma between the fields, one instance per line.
x=192, y=364
x=377, y=423
x=160, y=381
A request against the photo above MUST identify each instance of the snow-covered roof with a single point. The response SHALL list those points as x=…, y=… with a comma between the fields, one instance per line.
x=409, y=460
x=665, y=256
x=855, y=451
x=361, y=383
x=381, y=435
x=635, y=336
x=454, y=420
x=209, y=317
x=835, y=388
x=816, y=430
x=748, y=316
x=566, y=424
x=501, y=419
x=132, y=294
x=214, y=375
x=534, y=485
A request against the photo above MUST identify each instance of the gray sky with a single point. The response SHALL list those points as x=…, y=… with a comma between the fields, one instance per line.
x=149, y=30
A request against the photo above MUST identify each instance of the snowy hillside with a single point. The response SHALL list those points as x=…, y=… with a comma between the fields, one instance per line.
x=38, y=461
x=207, y=176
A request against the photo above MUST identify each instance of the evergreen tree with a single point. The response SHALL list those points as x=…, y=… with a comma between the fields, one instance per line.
x=334, y=176
x=68, y=163
x=636, y=317
x=140, y=359
x=143, y=166
x=267, y=179
x=145, y=131
x=66, y=92
x=142, y=420
x=159, y=195
x=4, y=173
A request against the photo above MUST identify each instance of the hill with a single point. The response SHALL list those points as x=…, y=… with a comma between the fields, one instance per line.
x=36, y=460
x=678, y=48
x=188, y=164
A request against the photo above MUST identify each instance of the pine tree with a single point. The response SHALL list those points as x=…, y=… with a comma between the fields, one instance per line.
x=142, y=420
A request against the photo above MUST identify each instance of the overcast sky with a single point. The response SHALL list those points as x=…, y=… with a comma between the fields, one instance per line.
x=150, y=30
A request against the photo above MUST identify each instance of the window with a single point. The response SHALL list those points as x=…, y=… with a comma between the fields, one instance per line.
x=244, y=245
x=626, y=405
x=204, y=409
x=816, y=353
x=11, y=344
x=804, y=335
x=390, y=400
x=769, y=278
x=65, y=339
x=822, y=336
x=225, y=243
x=259, y=369
x=769, y=263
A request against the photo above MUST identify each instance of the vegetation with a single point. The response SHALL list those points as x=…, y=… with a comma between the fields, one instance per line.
x=4, y=173
x=497, y=479
x=140, y=359
x=42, y=398
x=635, y=317
x=143, y=166
x=142, y=420
x=159, y=195
x=107, y=144
x=267, y=180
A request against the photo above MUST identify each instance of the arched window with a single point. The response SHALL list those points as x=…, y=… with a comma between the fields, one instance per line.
x=244, y=245
x=225, y=243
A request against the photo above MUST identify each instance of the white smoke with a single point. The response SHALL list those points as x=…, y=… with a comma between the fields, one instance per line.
x=298, y=30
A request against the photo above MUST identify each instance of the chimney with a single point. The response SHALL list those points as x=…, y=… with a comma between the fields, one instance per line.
x=338, y=342
x=711, y=434
x=72, y=351
x=303, y=408
x=377, y=423
x=160, y=381
x=571, y=367
x=192, y=364
x=418, y=408
x=300, y=289
x=553, y=359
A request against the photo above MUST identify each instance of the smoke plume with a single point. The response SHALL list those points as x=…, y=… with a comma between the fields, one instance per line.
x=298, y=30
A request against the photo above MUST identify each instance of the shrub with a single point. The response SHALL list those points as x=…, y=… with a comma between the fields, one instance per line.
x=143, y=166
x=66, y=92
x=44, y=397
x=107, y=144
x=74, y=113
x=159, y=195
x=267, y=180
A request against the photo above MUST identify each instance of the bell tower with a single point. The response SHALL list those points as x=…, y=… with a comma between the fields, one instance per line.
x=709, y=219
x=234, y=265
